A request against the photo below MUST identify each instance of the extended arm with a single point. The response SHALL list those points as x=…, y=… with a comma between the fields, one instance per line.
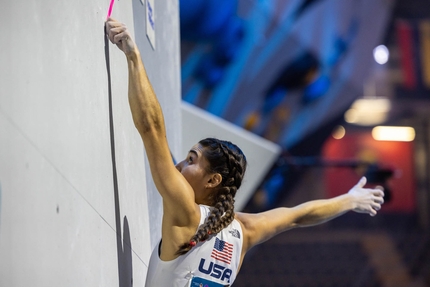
x=262, y=226
x=149, y=121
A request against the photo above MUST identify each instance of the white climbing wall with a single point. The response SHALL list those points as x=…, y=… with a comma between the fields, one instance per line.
x=67, y=217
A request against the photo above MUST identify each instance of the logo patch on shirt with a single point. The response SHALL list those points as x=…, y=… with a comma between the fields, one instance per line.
x=235, y=233
x=200, y=282
x=222, y=251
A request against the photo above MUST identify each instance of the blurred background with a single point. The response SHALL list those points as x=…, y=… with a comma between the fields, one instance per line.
x=343, y=86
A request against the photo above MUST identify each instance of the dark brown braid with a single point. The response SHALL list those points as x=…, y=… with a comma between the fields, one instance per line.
x=229, y=161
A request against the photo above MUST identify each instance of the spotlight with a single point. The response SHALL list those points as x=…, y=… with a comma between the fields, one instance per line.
x=381, y=54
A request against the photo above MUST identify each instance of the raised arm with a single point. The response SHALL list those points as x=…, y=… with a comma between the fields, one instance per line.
x=263, y=226
x=149, y=121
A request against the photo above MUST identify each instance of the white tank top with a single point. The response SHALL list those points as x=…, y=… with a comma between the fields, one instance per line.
x=212, y=263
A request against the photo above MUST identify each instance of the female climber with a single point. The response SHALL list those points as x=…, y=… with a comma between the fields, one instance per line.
x=203, y=241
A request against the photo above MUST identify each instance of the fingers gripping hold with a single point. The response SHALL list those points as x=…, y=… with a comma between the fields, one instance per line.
x=118, y=38
x=119, y=35
x=115, y=31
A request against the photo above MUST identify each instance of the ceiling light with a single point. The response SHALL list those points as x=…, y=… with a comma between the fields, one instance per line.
x=368, y=112
x=381, y=54
x=338, y=132
x=385, y=133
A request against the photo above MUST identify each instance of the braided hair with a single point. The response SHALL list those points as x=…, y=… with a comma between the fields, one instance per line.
x=229, y=161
